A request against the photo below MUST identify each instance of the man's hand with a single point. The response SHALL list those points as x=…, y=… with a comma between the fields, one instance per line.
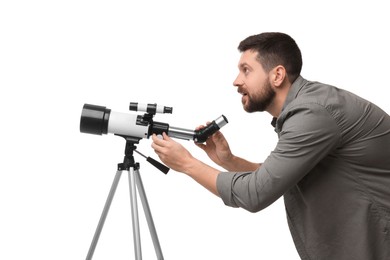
x=175, y=156
x=171, y=153
x=217, y=148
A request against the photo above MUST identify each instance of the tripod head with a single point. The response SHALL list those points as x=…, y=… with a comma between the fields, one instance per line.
x=128, y=160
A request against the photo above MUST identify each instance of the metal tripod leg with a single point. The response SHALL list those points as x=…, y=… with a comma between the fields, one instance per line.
x=104, y=215
x=148, y=215
x=134, y=179
x=134, y=215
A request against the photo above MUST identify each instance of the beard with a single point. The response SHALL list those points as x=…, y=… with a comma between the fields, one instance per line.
x=261, y=100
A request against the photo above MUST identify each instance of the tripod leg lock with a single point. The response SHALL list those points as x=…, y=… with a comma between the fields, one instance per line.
x=125, y=166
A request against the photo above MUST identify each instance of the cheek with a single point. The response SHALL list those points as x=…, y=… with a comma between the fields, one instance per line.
x=254, y=85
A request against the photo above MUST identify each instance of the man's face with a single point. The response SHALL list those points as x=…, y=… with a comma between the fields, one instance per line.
x=253, y=83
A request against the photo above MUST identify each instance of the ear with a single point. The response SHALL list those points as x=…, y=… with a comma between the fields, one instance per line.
x=278, y=76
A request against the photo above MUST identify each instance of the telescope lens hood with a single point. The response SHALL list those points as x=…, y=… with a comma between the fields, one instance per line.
x=94, y=119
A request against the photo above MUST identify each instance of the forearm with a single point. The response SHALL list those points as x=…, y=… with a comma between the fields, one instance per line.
x=204, y=174
x=238, y=164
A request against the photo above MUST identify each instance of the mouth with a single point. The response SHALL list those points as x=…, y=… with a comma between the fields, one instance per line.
x=244, y=96
x=241, y=92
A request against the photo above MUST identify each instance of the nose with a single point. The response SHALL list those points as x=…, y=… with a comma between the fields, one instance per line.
x=238, y=82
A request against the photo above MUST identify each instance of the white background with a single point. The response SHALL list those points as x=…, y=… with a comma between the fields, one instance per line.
x=57, y=55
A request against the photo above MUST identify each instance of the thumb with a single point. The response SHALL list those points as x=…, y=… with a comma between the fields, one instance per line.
x=217, y=136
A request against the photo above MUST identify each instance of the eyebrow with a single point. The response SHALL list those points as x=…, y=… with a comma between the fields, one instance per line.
x=241, y=65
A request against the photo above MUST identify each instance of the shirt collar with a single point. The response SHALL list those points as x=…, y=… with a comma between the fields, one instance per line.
x=292, y=94
x=294, y=90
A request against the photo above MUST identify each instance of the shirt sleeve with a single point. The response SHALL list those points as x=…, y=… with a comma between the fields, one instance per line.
x=308, y=134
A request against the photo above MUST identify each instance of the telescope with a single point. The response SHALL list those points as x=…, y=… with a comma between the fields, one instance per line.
x=100, y=120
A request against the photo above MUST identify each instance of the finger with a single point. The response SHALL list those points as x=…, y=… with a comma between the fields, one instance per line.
x=166, y=137
x=200, y=127
x=156, y=147
x=200, y=145
x=157, y=139
x=217, y=136
x=157, y=143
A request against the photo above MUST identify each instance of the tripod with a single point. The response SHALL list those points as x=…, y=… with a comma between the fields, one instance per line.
x=135, y=182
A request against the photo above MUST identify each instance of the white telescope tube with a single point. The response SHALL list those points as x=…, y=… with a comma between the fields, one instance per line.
x=126, y=125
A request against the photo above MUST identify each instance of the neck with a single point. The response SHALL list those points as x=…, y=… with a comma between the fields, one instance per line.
x=275, y=108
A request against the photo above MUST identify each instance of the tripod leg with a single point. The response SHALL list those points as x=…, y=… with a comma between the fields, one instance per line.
x=148, y=215
x=134, y=212
x=104, y=215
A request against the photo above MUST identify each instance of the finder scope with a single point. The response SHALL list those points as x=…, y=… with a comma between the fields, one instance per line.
x=100, y=120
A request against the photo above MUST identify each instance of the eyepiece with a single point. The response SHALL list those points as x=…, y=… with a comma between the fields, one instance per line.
x=94, y=119
x=221, y=121
x=204, y=133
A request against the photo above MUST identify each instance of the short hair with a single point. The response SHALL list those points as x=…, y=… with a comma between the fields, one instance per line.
x=275, y=48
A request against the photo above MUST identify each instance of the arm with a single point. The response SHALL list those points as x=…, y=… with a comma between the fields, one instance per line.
x=238, y=164
x=309, y=134
x=217, y=148
x=175, y=156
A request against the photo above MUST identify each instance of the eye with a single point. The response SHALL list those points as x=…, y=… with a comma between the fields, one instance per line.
x=245, y=70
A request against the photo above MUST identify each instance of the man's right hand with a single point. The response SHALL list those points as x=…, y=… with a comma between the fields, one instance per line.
x=217, y=148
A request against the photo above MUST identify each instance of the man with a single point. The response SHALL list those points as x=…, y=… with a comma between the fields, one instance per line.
x=331, y=162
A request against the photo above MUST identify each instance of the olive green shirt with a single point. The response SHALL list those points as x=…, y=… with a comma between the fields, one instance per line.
x=332, y=165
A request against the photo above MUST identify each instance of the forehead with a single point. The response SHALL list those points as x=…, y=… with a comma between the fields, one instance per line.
x=249, y=57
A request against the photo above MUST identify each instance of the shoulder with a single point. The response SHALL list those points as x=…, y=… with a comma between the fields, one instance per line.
x=315, y=102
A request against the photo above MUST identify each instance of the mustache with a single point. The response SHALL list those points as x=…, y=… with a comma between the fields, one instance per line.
x=241, y=91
